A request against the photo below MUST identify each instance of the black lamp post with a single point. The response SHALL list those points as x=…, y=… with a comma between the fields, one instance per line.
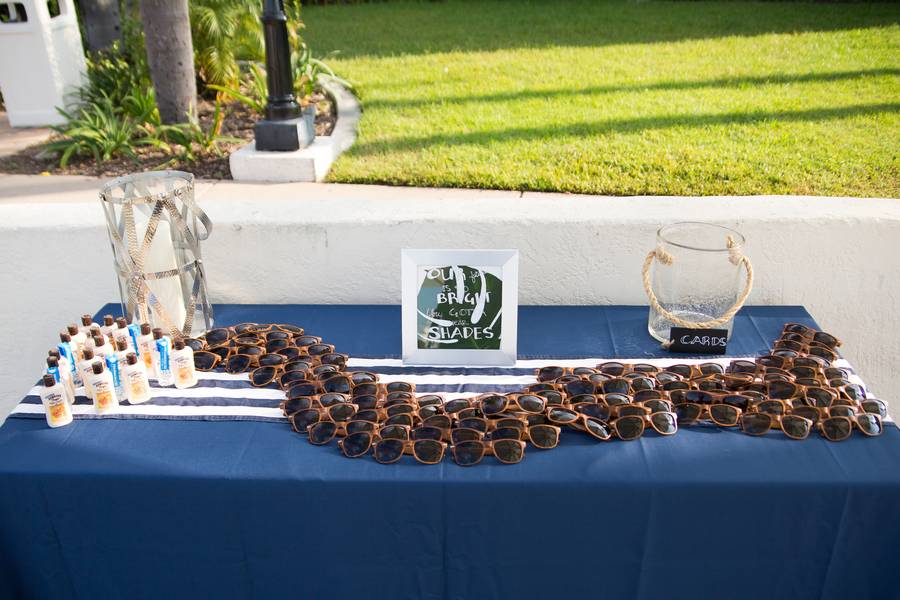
x=280, y=130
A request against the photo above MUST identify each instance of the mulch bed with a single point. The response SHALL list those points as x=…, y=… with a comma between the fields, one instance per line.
x=239, y=122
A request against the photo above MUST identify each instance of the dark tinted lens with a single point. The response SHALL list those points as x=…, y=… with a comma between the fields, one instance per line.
x=562, y=415
x=645, y=395
x=271, y=360
x=401, y=396
x=238, y=363
x=819, y=397
x=338, y=360
x=627, y=410
x=842, y=411
x=468, y=453
x=544, y=436
x=388, y=451
x=837, y=428
x=306, y=340
x=365, y=401
x=598, y=428
x=781, y=390
x=771, y=407
x=276, y=345
x=365, y=389
x=194, y=344
x=688, y=413
x=426, y=433
x=293, y=405
x=342, y=412
x=302, y=388
x=821, y=337
x=303, y=419
x=290, y=352
x=223, y=352
x=629, y=428
x=404, y=419
x=506, y=433
x=737, y=400
x=366, y=415
x=531, y=403
x=612, y=368
x=322, y=432
x=549, y=373
x=723, y=414
x=676, y=385
x=400, y=409
x=491, y=405
x=869, y=424
x=474, y=423
x=394, y=432
x=428, y=451
x=243, y=328
x=330, y=399
x=580, y=386
x=263, y=375
x=642, y=384
x=854, y=392
x=658, y=406
x=645, y=368
x=277, y=335
x=666, y=377
x=464, y=435
x=617, y=399
x=616, y=386
x=357, y=426
x=439, y=421
x=664, y=422
x=340, y=384
x=205, y=361
x=598, y=411
x=429, y=411
x=807, y=412
x=755, y=423
x=429, y=400
x=795, y=426
x=289, y=379
x=697, y=397
x=508, y=451
x=680, y=370
x=875, y=407
x=363, y=377
x=399, y=386
x=292, y=329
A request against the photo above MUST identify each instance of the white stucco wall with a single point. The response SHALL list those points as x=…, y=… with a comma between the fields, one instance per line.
x=340, y=244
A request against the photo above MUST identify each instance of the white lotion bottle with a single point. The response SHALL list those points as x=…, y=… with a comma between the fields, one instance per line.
x=183, y=365
x=78, y=339
x=102, y=348
x=87, y=323
x=146, y=347
x=84, y=367
x=62, y=375
x=136, y=381
x=162, y=358
x=121, y=333
x=68, y=352
x=105, y=399
x=109, y=324
x=56, y=405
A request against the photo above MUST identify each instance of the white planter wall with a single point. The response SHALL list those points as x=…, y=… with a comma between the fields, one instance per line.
x=340, y=244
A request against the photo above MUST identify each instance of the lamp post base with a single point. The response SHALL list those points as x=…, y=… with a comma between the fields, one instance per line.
x=285, y=136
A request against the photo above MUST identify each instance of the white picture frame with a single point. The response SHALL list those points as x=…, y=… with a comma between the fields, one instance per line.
x=440, y=277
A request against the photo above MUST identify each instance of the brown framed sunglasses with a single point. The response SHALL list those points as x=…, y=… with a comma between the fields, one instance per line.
x=469, y=453
x=759, y=423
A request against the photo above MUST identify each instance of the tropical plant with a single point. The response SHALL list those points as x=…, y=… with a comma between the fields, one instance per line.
x=113, y=74
x=188, y=142
x=252, y=93
x=225, y=32
x=97, y=129
x=309, y=73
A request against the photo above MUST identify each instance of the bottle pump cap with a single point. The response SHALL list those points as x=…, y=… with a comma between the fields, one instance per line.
x=64, y=337
x=52, y=361
x=53, y=352
x=87, y=353
x=108, y=320
x=97, y=367
x=145, y=328
x=99, y=342
x=73, y=329
x=121, y=345
x=157, y=333
x=131, y=358
x=49, y=380
x=86, y=320
x=122, y=323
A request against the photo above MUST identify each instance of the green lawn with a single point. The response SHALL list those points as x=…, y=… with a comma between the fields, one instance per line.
x=621, y=97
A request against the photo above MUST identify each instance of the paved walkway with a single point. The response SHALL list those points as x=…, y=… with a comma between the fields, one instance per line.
x=14, y=139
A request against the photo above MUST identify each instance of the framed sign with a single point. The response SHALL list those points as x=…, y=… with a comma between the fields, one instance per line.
x=460, y=307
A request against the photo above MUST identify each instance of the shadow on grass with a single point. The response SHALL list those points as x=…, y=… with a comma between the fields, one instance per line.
x=626, y=126
x=720, y=82
x=392, y=28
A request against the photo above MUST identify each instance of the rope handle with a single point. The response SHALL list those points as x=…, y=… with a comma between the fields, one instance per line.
x=734, y=255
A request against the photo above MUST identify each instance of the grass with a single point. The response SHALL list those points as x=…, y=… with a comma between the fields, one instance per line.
x=616, y=97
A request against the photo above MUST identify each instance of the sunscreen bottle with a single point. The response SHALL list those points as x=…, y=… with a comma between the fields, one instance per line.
x=114, y=364
x=67, y=351
x=87, y=357
x=105, y=398
x=183, y=365
x=78, y=340
x=163, y=358
x=121, y=332
x=62, y=376
x=102, y=347
x=86, y=324
x=146, y=347
x=57, y=408
x=108, y=325
x=136, y=381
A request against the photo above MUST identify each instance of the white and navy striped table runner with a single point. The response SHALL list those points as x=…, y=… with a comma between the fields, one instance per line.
x=226, y=397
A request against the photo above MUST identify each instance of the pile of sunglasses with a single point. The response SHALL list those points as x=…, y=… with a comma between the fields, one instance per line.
x=794, y=389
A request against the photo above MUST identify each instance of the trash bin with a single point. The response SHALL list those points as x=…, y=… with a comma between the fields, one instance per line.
x=41, y=59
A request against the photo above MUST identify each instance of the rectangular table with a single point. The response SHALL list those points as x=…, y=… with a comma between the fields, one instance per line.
x=233, y=509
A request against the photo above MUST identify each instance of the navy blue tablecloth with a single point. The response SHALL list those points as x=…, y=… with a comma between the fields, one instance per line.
x=195, y=509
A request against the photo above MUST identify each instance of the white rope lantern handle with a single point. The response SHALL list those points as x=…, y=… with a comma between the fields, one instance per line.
x=666, y=259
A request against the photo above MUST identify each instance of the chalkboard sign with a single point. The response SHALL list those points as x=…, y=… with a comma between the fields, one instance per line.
x=698, y=341
x=459, y=306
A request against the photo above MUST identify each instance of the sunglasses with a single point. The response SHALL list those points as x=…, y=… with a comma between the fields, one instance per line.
x=836, y=429
x=206, y=361
x=759, y=423
x=469, y=453
x=632, y=427
x=723, y=415
x=494, y=403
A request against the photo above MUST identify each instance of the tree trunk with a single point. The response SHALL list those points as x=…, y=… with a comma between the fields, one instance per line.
x=170, y=55
x=102, y=25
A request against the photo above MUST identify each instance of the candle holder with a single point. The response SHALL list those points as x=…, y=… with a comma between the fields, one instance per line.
x=155, y=229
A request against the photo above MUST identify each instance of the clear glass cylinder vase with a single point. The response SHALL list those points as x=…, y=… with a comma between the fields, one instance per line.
x=696, y=275
x=155, y=228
